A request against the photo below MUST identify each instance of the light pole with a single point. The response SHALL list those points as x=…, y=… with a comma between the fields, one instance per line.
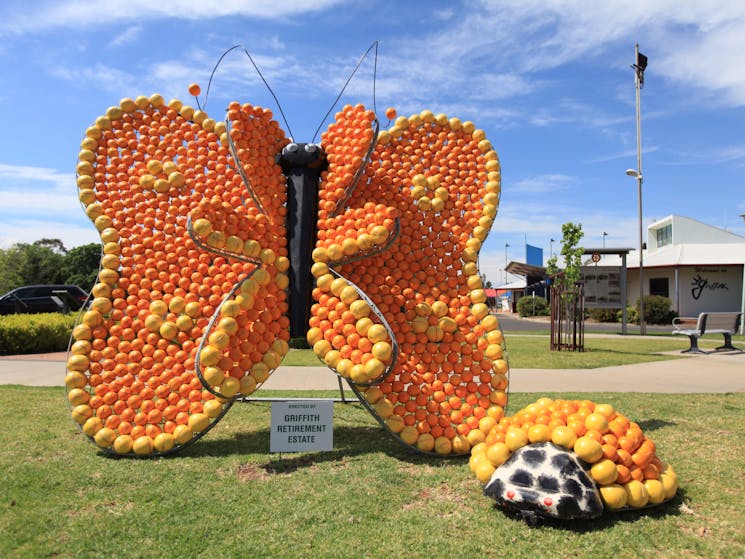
x=639, y=66
x=604, y=236
x=551, y=248
x=506, y=246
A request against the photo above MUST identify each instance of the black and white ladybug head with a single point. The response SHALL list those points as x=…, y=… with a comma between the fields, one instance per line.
x=545, y=480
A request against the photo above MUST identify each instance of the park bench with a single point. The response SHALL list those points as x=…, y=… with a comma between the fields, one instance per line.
x=725, y=323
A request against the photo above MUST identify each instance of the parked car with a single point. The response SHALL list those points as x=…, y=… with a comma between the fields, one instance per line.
x=43, y=298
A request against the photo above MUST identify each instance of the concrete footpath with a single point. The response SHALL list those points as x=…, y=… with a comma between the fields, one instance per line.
x=702, y=373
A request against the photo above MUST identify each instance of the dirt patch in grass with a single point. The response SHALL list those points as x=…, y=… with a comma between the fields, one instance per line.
x=252, y=472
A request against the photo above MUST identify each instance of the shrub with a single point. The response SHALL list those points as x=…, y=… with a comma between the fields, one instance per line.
x=604, y=315
x=35, y=333
x=529, y=305
x=657, y=310
x=632, y=315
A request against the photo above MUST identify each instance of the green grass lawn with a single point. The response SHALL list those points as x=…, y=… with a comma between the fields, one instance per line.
x=226, y=496
x=529, y=351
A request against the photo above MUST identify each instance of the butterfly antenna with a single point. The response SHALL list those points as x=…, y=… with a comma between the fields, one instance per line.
x=209, y=84
x=349, y=79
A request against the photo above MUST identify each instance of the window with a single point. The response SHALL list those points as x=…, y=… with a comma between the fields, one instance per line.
x=659, y=286
x=664, y=235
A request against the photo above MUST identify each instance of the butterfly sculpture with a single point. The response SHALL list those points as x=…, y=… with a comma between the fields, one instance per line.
x=210, y=251
x=222, y=241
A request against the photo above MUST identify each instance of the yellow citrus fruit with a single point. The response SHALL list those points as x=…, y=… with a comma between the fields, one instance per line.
x=105, y=437
x=409, y=434
x=92, y=426
x=443, y=445
x=636, y=494
x=123, y=444
x=484, y=471
x=377, y=333
x=78, y=396
x=81, y=413
x=425, y=442
x=182, y=434
x=229, y=388
x=497, y=454
x=479, y=448
x=384, y=408
x=475, y=436
x=613, y=495
x=211, y=407
x=396, y=423
x=213, y=376
x=75, y=379
x=460, y=444
x=604, y=471
x=588, y=449
x=382, y=351
x=199, y=422
x=669, y=484
x=605, y=409
x=515, y=438
x=539, y=433
x=164, y=442
x=563, y=436
x=143, y=445
x=655, y=489
x=598, y=422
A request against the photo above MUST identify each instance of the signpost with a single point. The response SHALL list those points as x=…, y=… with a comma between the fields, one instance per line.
x=302, y=425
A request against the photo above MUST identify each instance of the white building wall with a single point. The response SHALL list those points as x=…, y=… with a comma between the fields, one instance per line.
x=694, y=289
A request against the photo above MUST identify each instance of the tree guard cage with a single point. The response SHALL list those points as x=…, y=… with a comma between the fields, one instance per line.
x=567, y=318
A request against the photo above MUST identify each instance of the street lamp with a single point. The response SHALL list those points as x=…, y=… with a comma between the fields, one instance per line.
x=604, y=236
x=506, y=246
x=639, y=66
x=551, y=247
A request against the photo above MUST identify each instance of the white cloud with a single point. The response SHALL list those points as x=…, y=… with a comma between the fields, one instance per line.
x=129, y=35
x=84, y=13
x=33, y=229
x=18, y=177
x=544, y=183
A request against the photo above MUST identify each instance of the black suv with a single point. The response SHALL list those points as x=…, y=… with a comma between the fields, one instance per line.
x=43, y=298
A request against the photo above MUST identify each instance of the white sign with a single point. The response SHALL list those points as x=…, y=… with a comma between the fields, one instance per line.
x=302, y=425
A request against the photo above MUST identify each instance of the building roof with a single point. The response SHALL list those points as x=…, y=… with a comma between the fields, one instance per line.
x=720, y=254
x=693, y=244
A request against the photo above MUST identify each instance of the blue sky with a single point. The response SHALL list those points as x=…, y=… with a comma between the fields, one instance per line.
x=549, y=81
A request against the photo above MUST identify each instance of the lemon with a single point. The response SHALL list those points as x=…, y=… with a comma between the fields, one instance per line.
x=614, y=496
x=636, y=494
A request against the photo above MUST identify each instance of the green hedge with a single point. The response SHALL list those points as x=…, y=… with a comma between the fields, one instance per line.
x=532, y=306
x=35, y=333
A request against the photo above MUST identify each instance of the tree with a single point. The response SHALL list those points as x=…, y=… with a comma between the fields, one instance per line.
x=48, y=261
x=80, y=265
x=10, y=268
x=567, y=315
x=570, y=275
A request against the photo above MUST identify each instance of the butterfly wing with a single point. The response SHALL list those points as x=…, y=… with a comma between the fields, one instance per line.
x=146, y=171
x=436, y=181
x=247, y=337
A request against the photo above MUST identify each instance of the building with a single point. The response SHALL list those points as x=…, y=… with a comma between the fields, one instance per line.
x=697, y=266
